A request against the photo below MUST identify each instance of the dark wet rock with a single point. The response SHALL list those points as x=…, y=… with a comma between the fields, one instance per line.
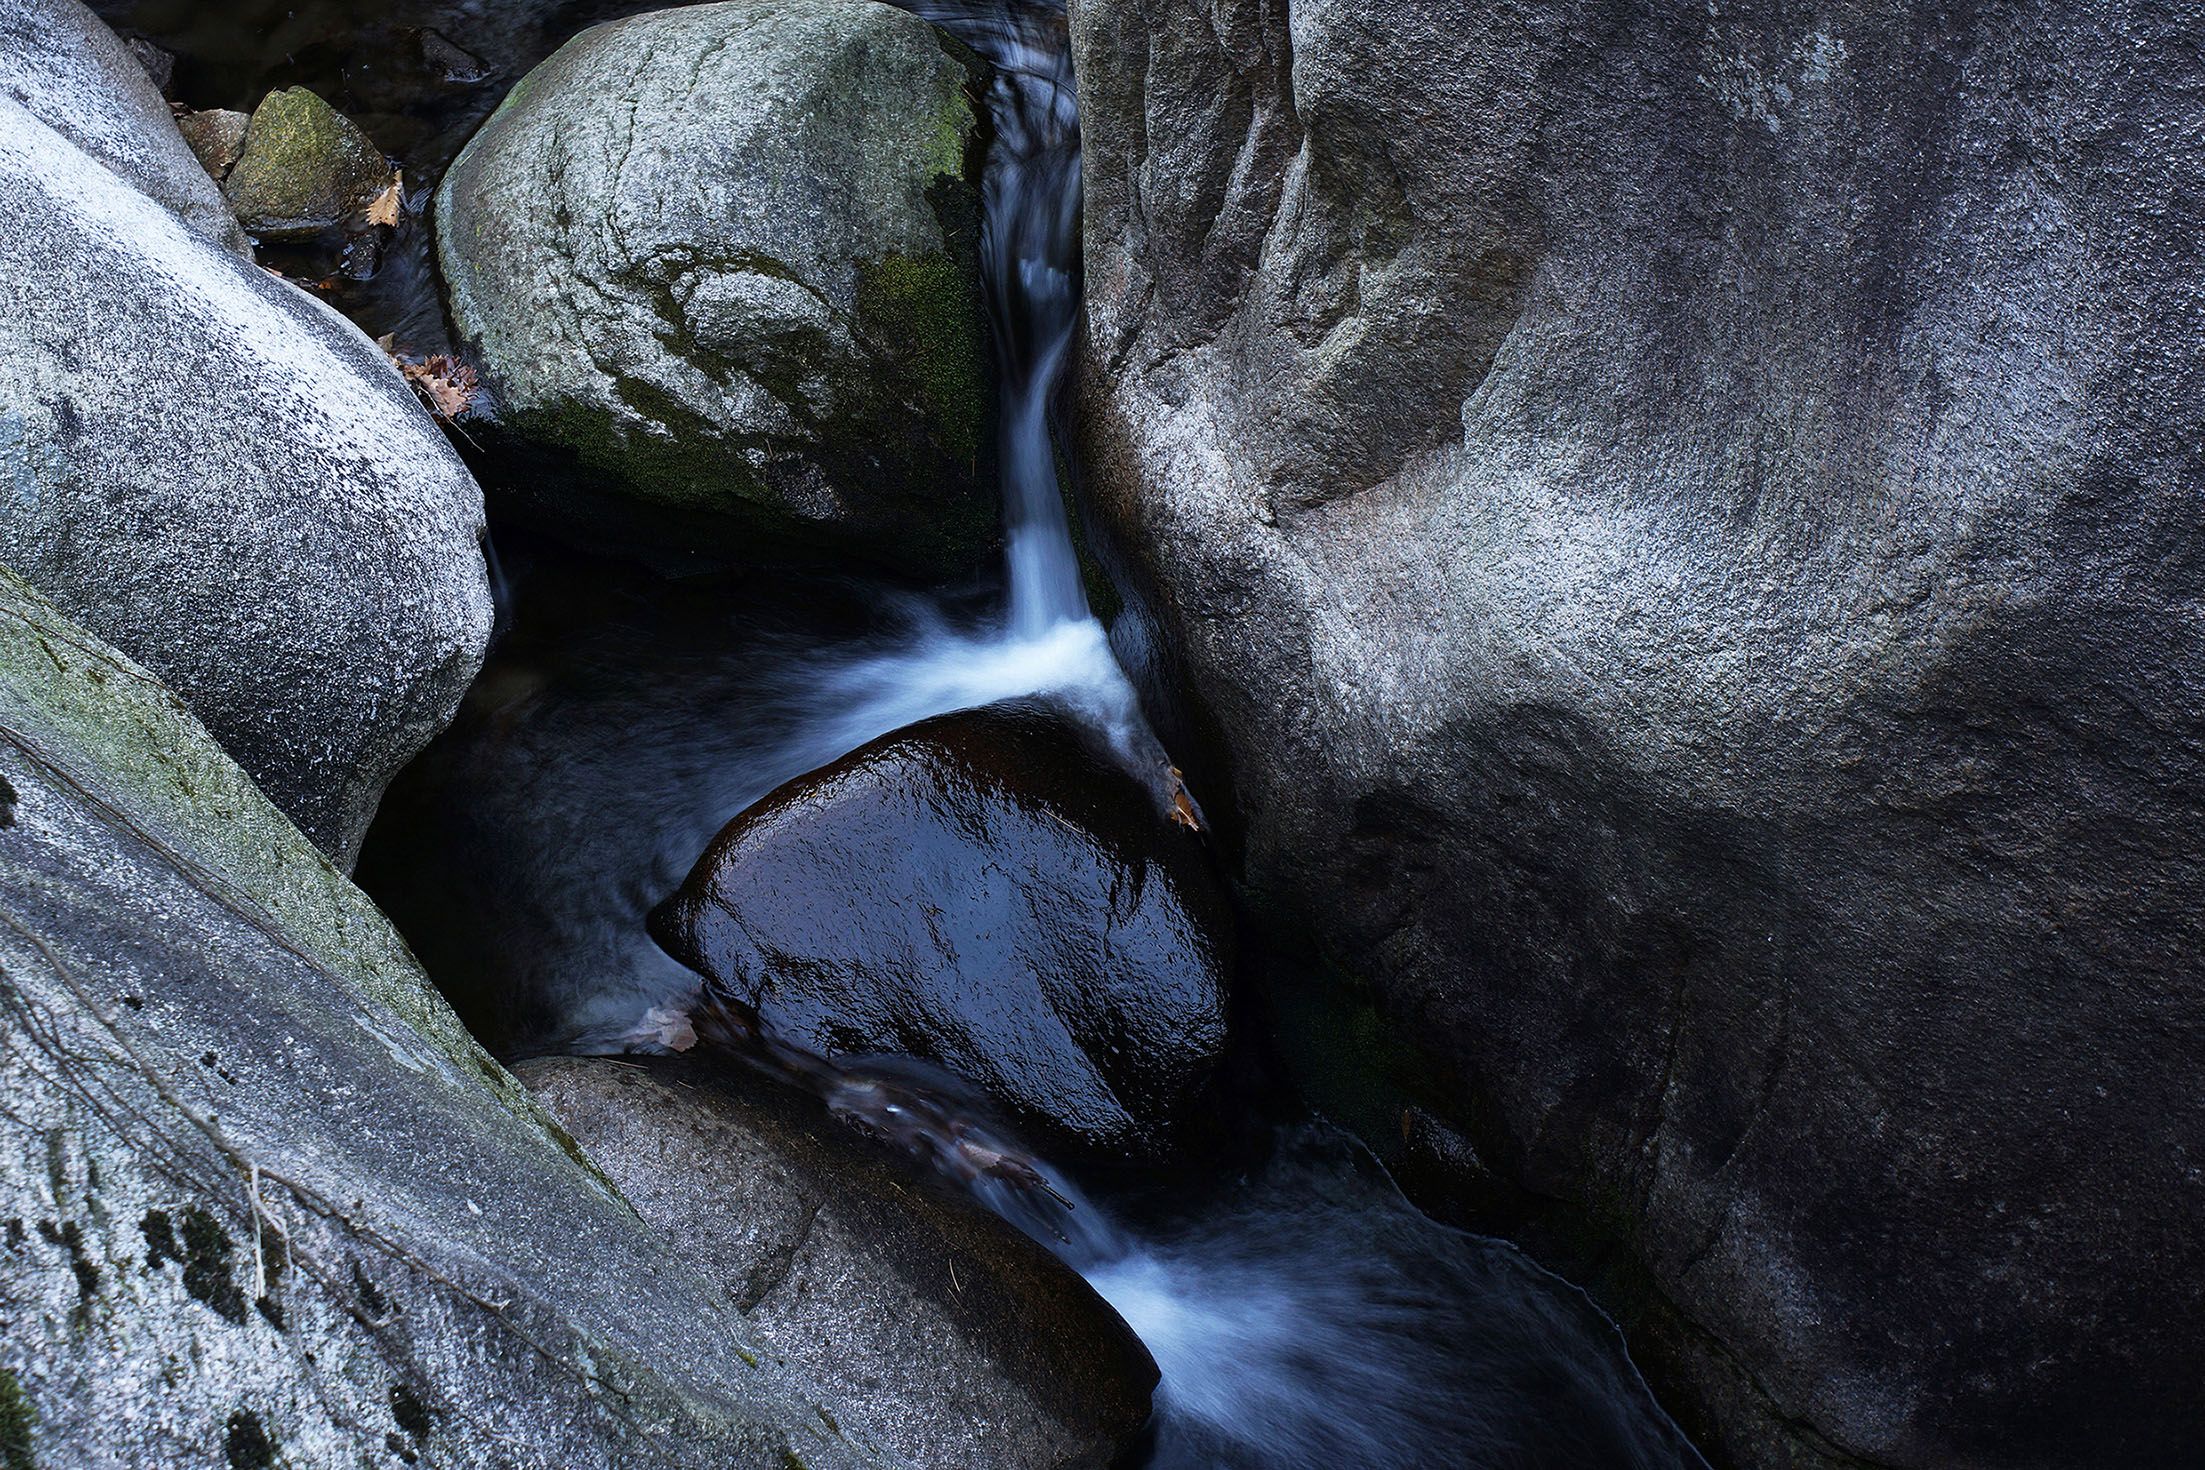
x=262, y=1200
x=304, y=168
x=720, y=267
x=215, y=137
x=1686, y=520
x=933, y=1332
x=228, y=481
x=159, y=65
x=452, y=63
x=80, y=79
x=983, y=892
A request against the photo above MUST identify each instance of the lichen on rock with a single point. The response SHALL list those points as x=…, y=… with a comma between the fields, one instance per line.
x=238, y=1130
x=303, y=167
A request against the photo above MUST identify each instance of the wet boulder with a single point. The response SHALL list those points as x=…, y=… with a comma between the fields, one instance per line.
x=935, y=1333
x=262, y=1199
x=215, y=137
x=719, y=266
x=223, y=477
x=983, y=892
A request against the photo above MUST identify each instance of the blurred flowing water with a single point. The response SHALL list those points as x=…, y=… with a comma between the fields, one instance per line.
x=1302, y=1312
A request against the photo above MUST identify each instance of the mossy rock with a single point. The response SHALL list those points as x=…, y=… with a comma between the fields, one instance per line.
x=722, y=263
x=304, y=167
x=240, y=1132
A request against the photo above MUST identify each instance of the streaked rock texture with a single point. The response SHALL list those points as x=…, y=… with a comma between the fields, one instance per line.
x=1687, y=522
x=262, y=1200
x=79, y=78
x=222, y=476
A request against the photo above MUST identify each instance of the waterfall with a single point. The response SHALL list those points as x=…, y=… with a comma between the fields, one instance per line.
x=1045, y=642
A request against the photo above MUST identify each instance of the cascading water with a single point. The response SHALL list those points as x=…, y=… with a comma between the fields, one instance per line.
x=1046, y=642
x=1304, y=1317
x=1302, y=1313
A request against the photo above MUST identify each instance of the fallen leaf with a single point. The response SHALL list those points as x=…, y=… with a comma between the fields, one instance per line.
x=444, y=383
x=384, y=209
x=1182, y=805
x=664, y=1026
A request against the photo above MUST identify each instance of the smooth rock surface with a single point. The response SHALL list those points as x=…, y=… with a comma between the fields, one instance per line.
x=720, y=266
x=262, y=1200
x=1686, y=520
x=932, y=1330
x=304, y=167
x=983, y=892
x=228, y=481
x=82, y=80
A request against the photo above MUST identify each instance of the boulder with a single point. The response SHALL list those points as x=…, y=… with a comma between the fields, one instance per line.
x=983, y=892
x=719, y=265
x=303, y=168
x=82, y=80
x=1685, y=522
x=216, y=137
x=262, y=1200
x=933, y=1330
x=228, y=481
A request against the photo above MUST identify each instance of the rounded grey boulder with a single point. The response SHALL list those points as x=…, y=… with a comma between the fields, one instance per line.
x=226, y=480
x=937, y=1335
x=722, y=263
x=79, y=78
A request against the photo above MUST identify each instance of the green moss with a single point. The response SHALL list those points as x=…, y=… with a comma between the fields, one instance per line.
x=924, y=311
x=303, y=168
x=126, y=739
x=18, y=1418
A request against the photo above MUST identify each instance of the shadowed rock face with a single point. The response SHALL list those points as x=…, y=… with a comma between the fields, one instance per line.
x=1686, y=523
x=219, y=474
x=262, y=1200
x=982, y=892
x=933, y=1330
x=722, y=262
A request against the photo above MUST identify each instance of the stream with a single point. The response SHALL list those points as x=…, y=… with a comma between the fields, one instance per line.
x=1302, y=1313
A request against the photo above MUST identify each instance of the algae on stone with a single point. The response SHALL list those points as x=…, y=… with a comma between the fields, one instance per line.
x=238, y=1130
x=305, y=167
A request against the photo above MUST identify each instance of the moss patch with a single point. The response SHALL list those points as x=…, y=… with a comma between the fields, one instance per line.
x=17, y=1421
x=924, y=313
x=303, y=168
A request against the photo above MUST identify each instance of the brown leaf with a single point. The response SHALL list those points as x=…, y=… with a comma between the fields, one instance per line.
x=384, y=209
x=1182, y=805
x=447, y=385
